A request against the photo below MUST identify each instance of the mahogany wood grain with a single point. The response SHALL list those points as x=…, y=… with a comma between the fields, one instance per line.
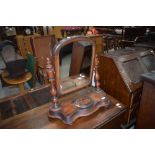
x=43, y=48
x=38, y=118
x=120, y=77
x=146, y=114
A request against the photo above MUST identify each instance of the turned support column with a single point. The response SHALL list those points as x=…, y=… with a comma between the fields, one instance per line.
x=53, y=91
x=97, y=77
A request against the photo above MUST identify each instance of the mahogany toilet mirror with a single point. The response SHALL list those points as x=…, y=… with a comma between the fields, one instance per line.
x=90, y=99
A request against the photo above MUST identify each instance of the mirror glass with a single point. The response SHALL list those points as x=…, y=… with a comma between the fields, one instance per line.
x=75, y=65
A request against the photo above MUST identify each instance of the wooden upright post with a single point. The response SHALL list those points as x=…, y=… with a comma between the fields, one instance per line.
x=97, y=77
x=53, y=92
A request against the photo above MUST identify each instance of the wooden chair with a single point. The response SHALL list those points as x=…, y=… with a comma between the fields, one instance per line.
x=24, y=44
x=29, y=77
x=15, y=63
x=42, y=48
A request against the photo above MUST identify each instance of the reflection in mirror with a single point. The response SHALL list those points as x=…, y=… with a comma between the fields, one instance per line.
x=75, y=65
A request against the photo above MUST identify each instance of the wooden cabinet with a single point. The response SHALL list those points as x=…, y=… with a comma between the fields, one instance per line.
x=146, y=114
x=120, y=73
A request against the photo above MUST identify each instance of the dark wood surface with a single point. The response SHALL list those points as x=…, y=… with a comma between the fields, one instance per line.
x=120, y=77
x=37, y=117
x=82, y=103
x=24, y=44
x=43, y=48
x=88, y=99
x=146, y=114
x=17, y=104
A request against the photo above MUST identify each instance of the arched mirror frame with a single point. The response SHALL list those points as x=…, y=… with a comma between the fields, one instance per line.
x=56, y=52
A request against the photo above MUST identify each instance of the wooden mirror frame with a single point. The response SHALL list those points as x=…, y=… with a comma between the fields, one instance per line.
x=56, y=51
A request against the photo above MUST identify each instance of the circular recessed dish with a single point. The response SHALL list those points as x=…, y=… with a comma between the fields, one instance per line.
x=83, y=102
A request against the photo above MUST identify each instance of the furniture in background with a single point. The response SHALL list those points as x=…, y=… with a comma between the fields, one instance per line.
x=105, y=30
x=111, y=39
x=120, y=73
x=18, y=81
x=72, y=30
x=16, y=71
x=15, y=64
x=57, y=32
x=146, y=41
x=42, y=47
x=99, y=42
x=146, y=114
x=131, y=33
x=29, y=30
x=24, y=44
x=112, y=42
x=8, y=33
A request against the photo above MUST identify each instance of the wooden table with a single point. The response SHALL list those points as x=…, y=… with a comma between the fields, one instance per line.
x=37, y=117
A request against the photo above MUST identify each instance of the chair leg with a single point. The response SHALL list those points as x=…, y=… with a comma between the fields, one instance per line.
x=21, y=87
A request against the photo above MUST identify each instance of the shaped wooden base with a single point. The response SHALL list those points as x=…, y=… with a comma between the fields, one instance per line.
x=79, y=104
